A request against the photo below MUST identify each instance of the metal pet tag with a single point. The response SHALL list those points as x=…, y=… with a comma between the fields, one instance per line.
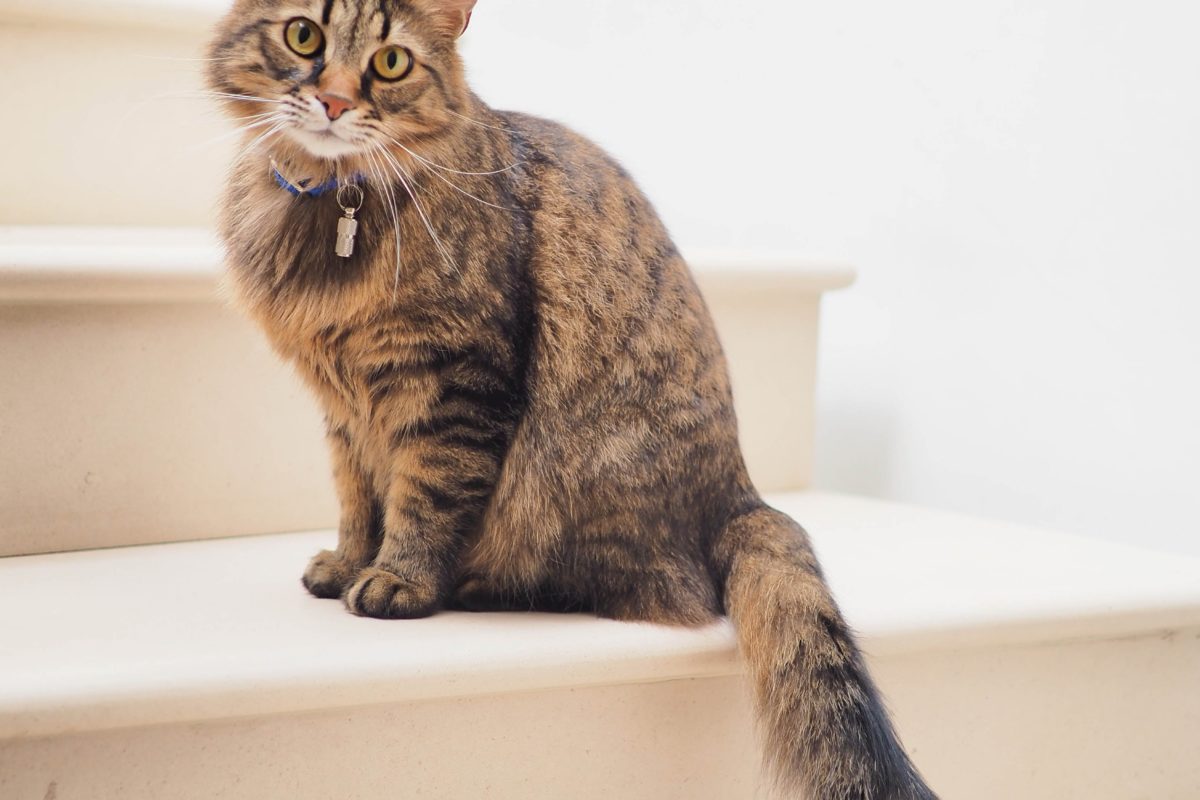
x=347, y=227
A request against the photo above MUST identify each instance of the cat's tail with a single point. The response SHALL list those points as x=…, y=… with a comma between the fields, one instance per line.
x=827, y=733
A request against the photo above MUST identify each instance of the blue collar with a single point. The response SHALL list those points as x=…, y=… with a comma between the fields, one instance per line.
x=304, y=188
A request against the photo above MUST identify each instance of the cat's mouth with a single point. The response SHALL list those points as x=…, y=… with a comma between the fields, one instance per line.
x=323, y=142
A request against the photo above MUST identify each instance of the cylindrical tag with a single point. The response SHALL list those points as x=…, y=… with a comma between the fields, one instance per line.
x=347, y=228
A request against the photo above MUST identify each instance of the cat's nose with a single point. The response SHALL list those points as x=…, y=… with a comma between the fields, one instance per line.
x=335, y=104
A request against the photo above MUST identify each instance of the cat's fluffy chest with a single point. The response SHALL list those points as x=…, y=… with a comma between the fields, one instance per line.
x=287, y=262
x=371, y=381
x=349, y=325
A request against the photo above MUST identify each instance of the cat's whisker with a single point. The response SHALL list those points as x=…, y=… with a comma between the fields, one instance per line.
x=265, y=120
x=239, y=96
x=464, y=192
x=377, y=172
x=428, y=167
x=407, y=182
x=400, y=175
x=477, y=122
x=209, y=94
x=443, y=168
x=279, y=126
x=254, y=119
x=181, y=58
x=206, y=107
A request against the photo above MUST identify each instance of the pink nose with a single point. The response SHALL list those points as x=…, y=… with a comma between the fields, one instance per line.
x=335, y=104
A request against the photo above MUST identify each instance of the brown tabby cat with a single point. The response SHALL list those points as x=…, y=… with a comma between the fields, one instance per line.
x=526, y=401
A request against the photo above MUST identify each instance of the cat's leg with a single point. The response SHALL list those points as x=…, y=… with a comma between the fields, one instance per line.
x=440, y=486
x=360, y=530
x=626, y=567
x=506, y=564
x=664, y=591
x=478, y=593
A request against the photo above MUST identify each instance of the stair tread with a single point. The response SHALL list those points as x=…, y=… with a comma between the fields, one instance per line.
x=162, y=15
x=71, y=263
x=222, y=628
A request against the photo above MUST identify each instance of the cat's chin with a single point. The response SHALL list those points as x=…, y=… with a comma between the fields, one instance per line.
x=323, y=144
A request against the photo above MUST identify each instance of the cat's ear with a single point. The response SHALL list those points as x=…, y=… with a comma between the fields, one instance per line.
x=452, y=16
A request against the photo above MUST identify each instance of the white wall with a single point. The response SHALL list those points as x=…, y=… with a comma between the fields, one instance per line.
x=1017, y=181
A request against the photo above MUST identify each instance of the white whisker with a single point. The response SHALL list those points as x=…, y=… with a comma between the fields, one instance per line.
x=245, y=151
x=377, y=171
x=400, y=175
x=464, y=192
x=180, y=58
x=450, y=183
x=266, y=119
x=206, y=93
x=429, y=163
x=477, y=122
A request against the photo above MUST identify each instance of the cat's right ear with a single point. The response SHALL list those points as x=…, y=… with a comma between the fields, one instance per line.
x=451, y=16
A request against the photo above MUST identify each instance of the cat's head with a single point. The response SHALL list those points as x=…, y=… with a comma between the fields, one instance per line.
x=336, y=78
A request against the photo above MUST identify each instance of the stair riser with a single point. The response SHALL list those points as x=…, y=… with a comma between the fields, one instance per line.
x=129, y=423
x=1040, y=723
x=113, y=130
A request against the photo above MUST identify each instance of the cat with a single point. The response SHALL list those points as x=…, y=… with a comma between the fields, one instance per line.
x=525, y=399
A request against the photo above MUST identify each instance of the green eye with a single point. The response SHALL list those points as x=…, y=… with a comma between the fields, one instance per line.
x=303, y=36
x=393, y=63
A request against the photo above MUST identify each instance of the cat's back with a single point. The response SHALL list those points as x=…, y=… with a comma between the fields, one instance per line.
x=618, y=309
x=595, y=231
x=550, y=144
x=575, y=179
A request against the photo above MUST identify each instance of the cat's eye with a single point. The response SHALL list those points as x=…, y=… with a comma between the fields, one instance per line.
x=393, y=63
x=303, y=36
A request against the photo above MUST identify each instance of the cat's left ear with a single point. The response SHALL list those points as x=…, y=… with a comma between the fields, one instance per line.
x=452, y=16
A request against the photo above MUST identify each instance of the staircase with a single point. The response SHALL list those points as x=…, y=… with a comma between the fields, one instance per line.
x=163, y=482
x=151, y=412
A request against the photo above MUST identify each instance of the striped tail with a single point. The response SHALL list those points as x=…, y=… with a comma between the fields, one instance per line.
x=827, y=733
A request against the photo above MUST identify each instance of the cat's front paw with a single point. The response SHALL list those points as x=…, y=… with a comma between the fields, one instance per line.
x=379, y=593
x=328, y=575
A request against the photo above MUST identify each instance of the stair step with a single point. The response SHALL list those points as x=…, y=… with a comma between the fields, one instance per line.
x=77, y=264
x=151, y=120
x=152, y=412
x=128, y=15
x=978, y=631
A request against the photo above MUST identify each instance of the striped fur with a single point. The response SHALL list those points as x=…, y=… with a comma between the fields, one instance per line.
x=531, y=411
